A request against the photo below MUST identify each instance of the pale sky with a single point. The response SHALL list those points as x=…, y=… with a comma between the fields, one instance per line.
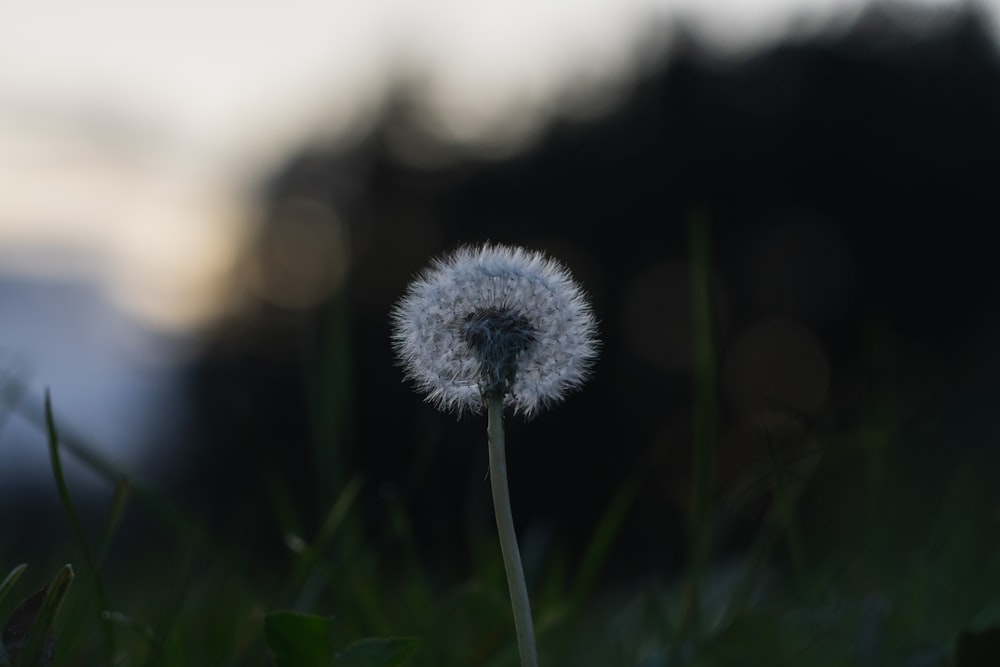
x=132, y=132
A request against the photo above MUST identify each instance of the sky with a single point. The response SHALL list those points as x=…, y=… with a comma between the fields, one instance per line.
x=133, y=136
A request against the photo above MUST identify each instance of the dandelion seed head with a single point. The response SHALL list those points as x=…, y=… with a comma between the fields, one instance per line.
x=494, y=320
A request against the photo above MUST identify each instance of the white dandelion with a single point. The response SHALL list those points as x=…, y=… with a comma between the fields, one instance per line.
x=497, y=326
x=493, y=320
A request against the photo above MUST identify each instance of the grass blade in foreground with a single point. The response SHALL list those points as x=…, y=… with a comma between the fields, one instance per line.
x=705, y=435
x=10, y=580
x=27, y=636
x=75, y=524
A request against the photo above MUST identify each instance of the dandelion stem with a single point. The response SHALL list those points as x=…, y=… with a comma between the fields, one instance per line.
x=508, y=539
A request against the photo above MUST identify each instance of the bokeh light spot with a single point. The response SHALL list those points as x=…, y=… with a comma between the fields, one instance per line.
x=657, y=315
x=777, y=363
x=303, y=257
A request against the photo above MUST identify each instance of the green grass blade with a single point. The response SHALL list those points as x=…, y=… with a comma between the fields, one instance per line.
x=40, y=644
x=339, y=512
x=784, y=507
x=74, y=520
x=311, y=556
x=10, y=580
x=188, y=529
x=169, y=650
x=602, y=541
x=119, y=500
x=705, y=419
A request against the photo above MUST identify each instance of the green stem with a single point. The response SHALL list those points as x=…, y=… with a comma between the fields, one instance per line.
x=508, y=539
x=706, y=416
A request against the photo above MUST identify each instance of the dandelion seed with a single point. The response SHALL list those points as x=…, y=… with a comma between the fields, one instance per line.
x=495, y=320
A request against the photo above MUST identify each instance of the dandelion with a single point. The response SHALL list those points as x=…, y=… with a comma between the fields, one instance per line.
x=496, y=326
x=492, y=320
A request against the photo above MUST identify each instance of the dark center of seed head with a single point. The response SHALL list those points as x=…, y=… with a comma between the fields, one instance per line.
x=497, y=336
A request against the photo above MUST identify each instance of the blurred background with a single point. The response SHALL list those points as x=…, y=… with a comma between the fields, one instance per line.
x=208, y=209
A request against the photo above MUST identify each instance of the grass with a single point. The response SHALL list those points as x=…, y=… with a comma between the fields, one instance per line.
x=913, y=580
